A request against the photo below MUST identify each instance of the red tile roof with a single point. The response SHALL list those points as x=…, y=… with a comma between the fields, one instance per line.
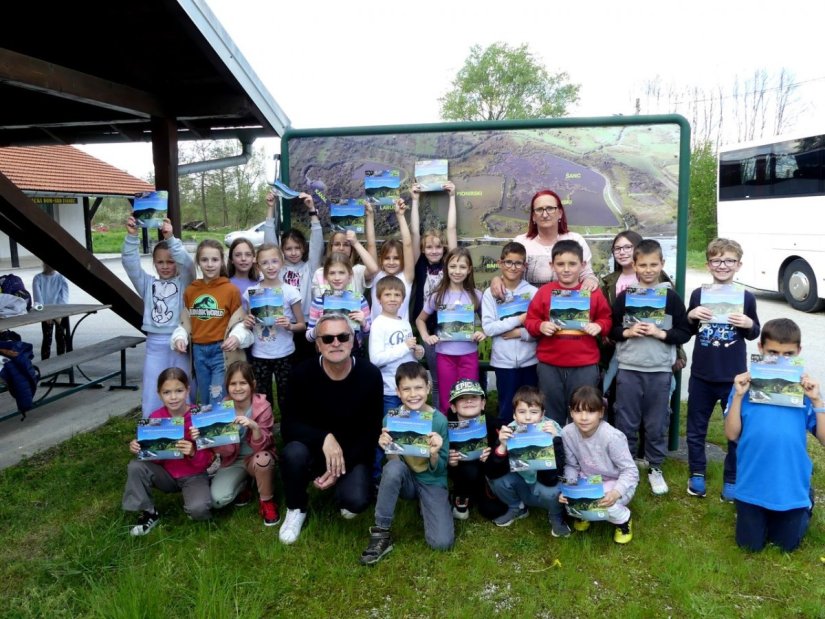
x=65, y=169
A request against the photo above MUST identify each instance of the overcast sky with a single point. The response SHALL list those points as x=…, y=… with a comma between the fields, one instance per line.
x=373, y=63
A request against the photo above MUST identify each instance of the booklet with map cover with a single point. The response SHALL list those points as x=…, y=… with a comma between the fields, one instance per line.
x=217, y=426
x=513, y=305
x=266, y=305
x=570, y=309
x=431, y=174
x=583, y=498
x=342, y=302
x=531, y=449
x=776, y=380
x=158, y=438
x=150, y=208
x=409, y=430
x=468, y=437
x=723, y=300
x=347, y=214
x=645, y=305
x=383, y=188
x=285, y=192
x=456, y=324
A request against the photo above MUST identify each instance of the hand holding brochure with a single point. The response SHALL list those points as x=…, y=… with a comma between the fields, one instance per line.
x=382, y=187
x=266, y=305
x=645, y=305
x=342, y=302
x=431, y=174
x=409, y=431
x=583, y=498
x=723, y=300
x=347, y=215
x=217, y=427
x=513, y=305
x=531, y=449
x=468, y=437
x=776, y=380
x=158, y=438
x=456, y=324
x=570, y=309
x=285, y=192
x=150, y=208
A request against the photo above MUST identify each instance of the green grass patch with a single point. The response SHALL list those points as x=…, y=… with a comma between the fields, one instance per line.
x=65, y=551
x=111, y=242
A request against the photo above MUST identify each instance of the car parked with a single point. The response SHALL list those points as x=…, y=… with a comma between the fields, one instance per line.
x=254, y=235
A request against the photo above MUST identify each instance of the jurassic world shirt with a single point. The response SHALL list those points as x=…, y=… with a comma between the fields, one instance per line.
x=210, y=307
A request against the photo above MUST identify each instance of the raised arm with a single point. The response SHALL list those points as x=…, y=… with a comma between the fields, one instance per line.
x=269, y=222
x=366, y=258
x=415, y=221
x=369, y=230
x=733, y=416
x=406, y=240
x=452, y=220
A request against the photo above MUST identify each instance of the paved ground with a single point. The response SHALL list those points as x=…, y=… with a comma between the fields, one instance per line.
x=86, y=410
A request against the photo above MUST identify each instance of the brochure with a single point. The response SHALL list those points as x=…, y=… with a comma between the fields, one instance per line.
x=645, y=305
x=570, y=309
x=382, y=188
x=723, y=300
x=285, y=192
x=456, y=324
x=531, y=449
x=409, y=430
x=776, y=380
x=266, y=305
x=347, y=214
x=217, y=427
x=158, y=438
x=150, y=208
x=468, y=437
x=431, y=174
x=513, y=305
x=583, y=498
x=342, y=302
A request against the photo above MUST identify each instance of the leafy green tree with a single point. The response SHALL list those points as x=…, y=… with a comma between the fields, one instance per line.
x=503, y=82
x=702, y=197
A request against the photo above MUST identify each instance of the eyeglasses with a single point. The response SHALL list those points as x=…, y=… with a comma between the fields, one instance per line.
x=623, y=249
x=330, y=338
x=543, y=211
x=728, y=262
x=512, y=264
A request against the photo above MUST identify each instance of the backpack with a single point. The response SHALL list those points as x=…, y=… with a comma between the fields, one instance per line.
x=13, y=285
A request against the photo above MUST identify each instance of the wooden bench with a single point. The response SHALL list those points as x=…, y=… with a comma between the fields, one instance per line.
x=69, y=362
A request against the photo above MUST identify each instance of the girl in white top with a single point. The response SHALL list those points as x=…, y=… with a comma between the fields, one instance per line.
x=396, y=258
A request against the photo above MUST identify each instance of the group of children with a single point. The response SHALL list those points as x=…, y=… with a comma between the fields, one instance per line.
x=545, y=374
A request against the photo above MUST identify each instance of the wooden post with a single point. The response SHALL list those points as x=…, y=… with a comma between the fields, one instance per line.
x=165, y=155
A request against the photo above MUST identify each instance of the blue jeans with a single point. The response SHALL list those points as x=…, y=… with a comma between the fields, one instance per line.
x=756, y=526
x=209, y=372
x=703, y=396
x=513, y=490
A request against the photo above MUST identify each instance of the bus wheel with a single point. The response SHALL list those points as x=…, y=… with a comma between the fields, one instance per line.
x=799, y=287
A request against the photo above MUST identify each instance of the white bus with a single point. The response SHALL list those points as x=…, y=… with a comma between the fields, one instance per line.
x=771, y=199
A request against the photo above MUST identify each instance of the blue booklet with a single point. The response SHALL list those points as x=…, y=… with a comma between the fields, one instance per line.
x=159, y=437
x=150, y=208
x=583, y=498
x=468, y=437
x=531, y=449
x=645, y=305
x=382, y=187
x=266, y=305
x=217, y=426
x=409, y=430
x=347, y=215
x=431, y=174
x=285, y=192
x=342, y=302
x=776, y=380
x=456, y=324
x=513, y=305
x=570, y=309
x=723, y=300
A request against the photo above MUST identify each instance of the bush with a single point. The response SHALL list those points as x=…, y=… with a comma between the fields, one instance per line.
x=702, y=197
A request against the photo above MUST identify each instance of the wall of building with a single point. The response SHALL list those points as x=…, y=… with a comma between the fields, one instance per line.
x=69, y=216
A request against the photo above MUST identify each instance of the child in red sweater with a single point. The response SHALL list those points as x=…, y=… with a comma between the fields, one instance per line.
x=568, y=358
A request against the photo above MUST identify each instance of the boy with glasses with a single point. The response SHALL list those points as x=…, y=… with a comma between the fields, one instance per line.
x=719, y=355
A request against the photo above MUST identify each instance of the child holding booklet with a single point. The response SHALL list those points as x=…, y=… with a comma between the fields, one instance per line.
x=719, y=354
x=568, y=358
x=187, y=475
x=514, y=350
x=594, y=447
x=773, y=494
x=254, y=456
x=396, y=258
x=411, y=477
x=521, y=489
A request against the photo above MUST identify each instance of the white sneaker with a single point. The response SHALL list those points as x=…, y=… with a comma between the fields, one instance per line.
x=347, y=514
x=658, y=485
x=291, y=528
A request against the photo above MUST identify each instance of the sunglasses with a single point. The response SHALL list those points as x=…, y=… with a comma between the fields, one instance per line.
x=341, y=337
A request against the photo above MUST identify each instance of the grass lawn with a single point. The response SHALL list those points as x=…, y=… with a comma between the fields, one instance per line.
x=65, y=551
x=112, y=242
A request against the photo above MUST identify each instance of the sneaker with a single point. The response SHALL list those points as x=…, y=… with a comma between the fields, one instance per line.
x=511, y=515
x=347, y=514
x=461, y=508
x=380, y=545
x=146, y=522
x=581, y=525
x=559, y=526
x=269, y=512
x=291, y=528
x=624, y=532
x=658, y=485
x=244, y=496
x=696, y=486
x=728, y=492
x=213, y=468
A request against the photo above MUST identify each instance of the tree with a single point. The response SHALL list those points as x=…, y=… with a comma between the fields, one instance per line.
x=502, y=82
x=702, y=197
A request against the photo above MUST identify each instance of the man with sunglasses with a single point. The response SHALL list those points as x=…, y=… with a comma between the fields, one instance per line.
x=330, y=425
